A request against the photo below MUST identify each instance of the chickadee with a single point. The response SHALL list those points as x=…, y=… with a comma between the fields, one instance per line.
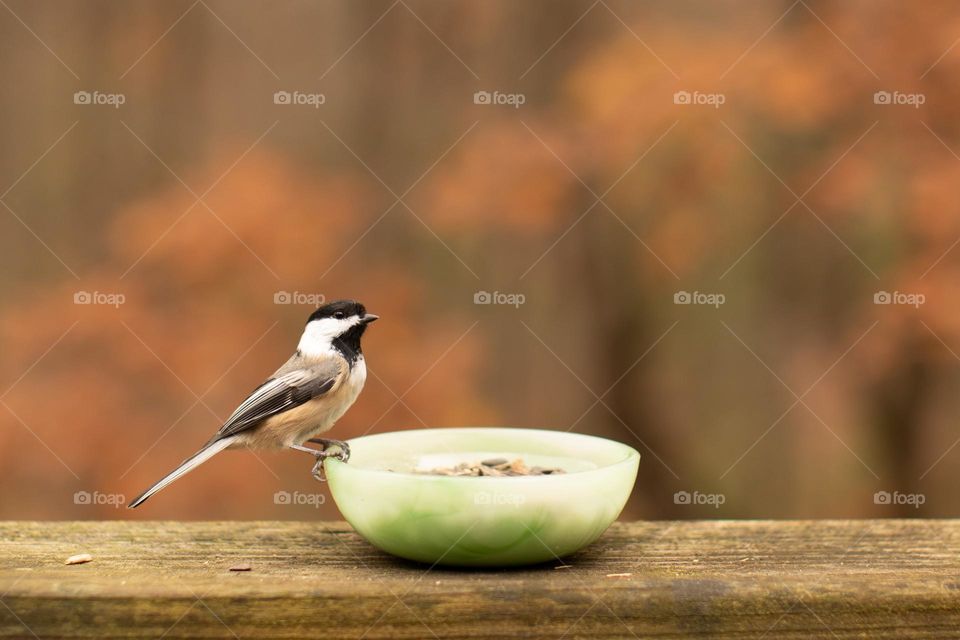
x=302, y=399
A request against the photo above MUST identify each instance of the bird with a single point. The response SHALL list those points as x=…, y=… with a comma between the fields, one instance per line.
x=301, y=400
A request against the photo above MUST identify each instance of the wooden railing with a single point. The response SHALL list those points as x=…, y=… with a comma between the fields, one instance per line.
x=720, y=579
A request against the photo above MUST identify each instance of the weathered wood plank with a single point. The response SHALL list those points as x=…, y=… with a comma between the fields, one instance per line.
x=733, y=579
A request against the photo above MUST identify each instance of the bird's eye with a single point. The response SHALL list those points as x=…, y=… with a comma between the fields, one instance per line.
x=338, y=315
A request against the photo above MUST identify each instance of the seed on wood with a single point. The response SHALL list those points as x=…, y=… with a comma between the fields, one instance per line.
x=241, y=567
x=80, y=558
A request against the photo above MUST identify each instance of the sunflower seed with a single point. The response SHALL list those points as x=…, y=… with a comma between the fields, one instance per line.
x=80, y=558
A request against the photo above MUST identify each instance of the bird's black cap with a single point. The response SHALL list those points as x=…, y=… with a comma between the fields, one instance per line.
x=345, y=309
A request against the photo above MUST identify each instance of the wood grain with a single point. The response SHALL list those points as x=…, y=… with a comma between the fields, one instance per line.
x=713, y=579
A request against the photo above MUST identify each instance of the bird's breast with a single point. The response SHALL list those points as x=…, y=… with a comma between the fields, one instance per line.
x=311, y=418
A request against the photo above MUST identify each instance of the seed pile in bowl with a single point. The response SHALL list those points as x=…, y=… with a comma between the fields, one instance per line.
x=493, y=467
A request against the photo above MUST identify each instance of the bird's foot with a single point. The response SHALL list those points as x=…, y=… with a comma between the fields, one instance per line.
x=341, y=453
x=325, y=443
x=317, y=471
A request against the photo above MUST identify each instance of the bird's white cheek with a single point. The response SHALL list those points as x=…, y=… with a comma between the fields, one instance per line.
x=314, y=341
x=318, y=335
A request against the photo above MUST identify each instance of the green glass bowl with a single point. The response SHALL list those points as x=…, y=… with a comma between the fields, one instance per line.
x=482, y=521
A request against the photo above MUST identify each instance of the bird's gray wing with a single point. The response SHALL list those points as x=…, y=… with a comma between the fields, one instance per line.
x=290, y=386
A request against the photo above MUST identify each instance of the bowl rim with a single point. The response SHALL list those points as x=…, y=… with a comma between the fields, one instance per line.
x=631, y=456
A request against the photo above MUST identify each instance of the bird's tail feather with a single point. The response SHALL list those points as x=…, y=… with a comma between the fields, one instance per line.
x=188, y=465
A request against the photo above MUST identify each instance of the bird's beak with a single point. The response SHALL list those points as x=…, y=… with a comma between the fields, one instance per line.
x=368, y=318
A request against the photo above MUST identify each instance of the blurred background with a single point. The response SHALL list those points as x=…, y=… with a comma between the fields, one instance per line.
x=724, y=233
